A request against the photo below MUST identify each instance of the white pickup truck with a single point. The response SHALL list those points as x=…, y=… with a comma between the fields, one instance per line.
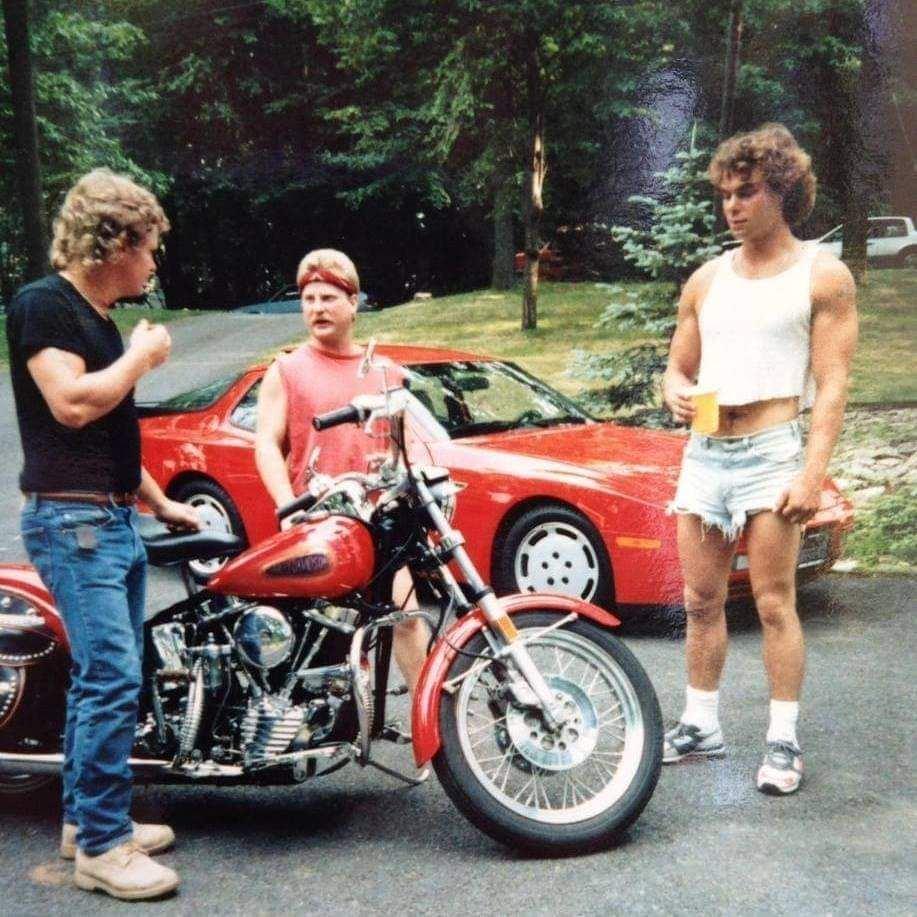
x=888, y=239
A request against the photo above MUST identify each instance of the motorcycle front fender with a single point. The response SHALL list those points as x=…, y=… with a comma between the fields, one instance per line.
x=429, y=690
x=23, y=581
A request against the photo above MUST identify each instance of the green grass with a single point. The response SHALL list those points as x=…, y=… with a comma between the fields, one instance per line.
x=125, y=319
x=488, y=323
x=885, y=367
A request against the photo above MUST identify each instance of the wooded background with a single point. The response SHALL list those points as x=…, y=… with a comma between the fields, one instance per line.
x=431, y=139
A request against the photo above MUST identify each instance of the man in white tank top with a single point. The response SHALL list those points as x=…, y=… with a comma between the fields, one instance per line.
x=762, y=325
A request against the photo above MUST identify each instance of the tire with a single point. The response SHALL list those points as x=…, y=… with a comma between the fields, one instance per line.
x=553, y=548
x=20, y=785
x=907, y=258
x=479, y=727
x=218, y=512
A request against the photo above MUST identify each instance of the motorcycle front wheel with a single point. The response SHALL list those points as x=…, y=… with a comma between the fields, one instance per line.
x=563, y=791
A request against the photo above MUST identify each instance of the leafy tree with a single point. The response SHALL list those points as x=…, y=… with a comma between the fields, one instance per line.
x=681, y=236
x=25, y=134
x=487, y=85
x=87, y=109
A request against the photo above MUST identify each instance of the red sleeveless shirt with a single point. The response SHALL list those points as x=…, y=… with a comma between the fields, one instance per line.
x=315, y=382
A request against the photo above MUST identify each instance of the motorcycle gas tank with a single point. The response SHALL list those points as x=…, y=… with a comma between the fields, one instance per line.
x=324, y=557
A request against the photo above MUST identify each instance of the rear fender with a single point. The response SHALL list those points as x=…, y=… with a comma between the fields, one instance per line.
x=23, y=582
x=428, y=694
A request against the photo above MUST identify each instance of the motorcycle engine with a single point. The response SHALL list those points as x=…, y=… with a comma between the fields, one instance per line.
x=268, y=727
x=264, y=637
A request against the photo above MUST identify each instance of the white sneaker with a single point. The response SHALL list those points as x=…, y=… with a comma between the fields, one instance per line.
x=781, y=770
x=124, y=872
x=686, y=741
x=149, y=838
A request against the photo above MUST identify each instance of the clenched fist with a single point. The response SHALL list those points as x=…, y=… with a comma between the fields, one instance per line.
x=153, y=342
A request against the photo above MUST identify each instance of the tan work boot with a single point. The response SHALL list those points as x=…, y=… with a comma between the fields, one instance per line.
x=124, y=872
x=149, y=838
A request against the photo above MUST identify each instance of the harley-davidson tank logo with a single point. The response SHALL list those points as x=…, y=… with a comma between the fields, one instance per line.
x=307, y=565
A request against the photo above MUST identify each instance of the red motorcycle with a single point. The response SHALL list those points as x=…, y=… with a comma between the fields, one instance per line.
x=542, y=726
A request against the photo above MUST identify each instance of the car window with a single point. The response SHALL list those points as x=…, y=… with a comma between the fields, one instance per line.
x=245, y=413
x=470, y=398
x=895, y=229
x=197, y=398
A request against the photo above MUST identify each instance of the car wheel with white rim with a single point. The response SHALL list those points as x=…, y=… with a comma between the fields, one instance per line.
x=217, y=513
x=553, y=548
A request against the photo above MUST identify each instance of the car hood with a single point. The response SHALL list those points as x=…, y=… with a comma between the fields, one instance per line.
x=630, y=461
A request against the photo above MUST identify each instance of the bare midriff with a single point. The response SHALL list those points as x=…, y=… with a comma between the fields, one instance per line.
x=744, y=419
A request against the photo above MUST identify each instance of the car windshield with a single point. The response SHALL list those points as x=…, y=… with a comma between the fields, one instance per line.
x=197, y=398
x=473, y=398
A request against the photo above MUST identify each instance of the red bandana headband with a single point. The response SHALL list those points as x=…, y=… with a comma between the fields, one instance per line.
x=322, y=275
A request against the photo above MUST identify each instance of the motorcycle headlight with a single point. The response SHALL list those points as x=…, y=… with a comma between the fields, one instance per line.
x=444, y=489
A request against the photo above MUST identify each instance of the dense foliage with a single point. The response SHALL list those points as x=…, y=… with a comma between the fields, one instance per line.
x=402, y=129
x=681, y=236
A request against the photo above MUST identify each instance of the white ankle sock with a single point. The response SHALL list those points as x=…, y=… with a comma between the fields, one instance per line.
x=782, y=728
x=701, y=709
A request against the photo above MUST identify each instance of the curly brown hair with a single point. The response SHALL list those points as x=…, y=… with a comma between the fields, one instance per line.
x=102, y=214
x=785, y=166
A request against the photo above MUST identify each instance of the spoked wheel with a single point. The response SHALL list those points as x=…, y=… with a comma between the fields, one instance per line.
x=565, y=790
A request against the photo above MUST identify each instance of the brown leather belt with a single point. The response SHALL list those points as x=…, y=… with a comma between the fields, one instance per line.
x=74, y=496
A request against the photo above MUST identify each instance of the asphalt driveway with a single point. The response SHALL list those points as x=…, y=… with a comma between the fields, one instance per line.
x=356, y=843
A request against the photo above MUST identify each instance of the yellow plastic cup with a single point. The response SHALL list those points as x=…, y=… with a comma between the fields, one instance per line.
x=707, y=418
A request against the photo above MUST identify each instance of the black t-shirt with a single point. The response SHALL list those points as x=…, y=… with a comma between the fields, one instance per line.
x=103, y=456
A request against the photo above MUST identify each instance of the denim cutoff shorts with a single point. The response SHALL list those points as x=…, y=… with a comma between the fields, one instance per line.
x=725, y=479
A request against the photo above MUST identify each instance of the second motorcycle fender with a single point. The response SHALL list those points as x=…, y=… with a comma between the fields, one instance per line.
x=427, y=696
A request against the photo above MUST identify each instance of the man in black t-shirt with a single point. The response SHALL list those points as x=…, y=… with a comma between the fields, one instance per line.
x=73, y=383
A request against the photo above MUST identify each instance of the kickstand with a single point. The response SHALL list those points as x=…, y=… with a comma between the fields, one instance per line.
x=422, y=777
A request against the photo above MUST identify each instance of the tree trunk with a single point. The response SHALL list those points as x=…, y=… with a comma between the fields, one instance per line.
x=25, y=135
x=504, y=250
x=861, y=141
x=731, y=69
x=534, y=204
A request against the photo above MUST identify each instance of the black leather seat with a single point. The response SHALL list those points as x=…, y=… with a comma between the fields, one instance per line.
x=166, y=548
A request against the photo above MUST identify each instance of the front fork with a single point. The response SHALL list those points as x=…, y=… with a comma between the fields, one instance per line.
x=502, y=635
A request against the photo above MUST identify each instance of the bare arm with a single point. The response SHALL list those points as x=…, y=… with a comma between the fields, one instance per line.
x=76, y=397
x=270, y=435
x=684, y=351
x=171, y=511
x=833, y=338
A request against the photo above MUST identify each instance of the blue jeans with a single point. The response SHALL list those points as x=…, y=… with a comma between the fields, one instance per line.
x=93, y=562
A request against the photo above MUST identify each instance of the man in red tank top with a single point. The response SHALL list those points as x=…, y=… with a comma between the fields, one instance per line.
x=753, y=471
x=320, y=376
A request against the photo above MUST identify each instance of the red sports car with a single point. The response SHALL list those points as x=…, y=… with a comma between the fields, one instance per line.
x=554, y=500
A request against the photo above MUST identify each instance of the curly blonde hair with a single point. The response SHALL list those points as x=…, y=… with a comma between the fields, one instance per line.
x=102, y=214
x=785, y=167
x=329, y=259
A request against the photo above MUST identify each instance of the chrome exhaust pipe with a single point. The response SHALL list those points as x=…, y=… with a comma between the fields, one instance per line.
x=17, y=763
x=12, y=763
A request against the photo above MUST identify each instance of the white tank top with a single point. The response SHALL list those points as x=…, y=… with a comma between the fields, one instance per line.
x=754, y=334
